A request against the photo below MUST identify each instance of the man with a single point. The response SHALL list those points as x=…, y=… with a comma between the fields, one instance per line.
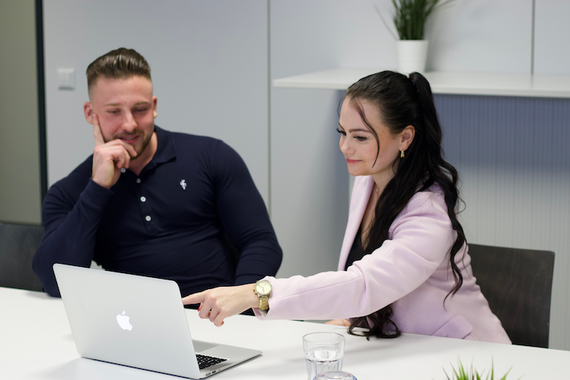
x=153, y=202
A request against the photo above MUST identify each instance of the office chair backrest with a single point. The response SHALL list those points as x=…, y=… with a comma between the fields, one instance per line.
x=518, y=285
x=18, y=243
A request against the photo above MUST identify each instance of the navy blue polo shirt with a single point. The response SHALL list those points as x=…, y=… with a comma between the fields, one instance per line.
x=168, y=222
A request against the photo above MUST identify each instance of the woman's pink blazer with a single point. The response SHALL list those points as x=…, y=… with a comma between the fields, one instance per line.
x=410, y=271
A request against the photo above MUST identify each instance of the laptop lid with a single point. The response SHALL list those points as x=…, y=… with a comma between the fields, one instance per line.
x=136, y=321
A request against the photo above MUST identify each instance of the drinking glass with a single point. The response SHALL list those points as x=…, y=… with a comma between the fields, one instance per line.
x=335, y=375
x=324, y=352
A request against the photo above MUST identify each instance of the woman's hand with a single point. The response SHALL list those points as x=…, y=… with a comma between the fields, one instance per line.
x=338, y=322
x=220, y=303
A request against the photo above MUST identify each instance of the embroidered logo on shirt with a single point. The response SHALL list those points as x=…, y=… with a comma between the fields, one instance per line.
x=183, y=184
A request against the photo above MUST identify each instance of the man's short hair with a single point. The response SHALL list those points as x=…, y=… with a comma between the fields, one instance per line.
x=119, y=63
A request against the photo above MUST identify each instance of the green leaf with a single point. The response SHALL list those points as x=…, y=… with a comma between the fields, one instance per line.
x=411, y=15
x=461, y=373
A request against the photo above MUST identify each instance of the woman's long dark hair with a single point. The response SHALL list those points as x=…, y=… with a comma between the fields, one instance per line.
x=404, y=101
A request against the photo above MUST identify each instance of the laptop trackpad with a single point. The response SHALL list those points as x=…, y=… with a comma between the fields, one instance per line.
x=200, y=346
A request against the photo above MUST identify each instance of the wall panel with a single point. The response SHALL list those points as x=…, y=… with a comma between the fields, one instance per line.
x=482, y=35
x=510, y=153
x=552, y=45
x=209, y=67
x=20, y=186
x=309, y=181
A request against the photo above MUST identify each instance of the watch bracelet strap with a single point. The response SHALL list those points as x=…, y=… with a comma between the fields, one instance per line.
x=263, y=303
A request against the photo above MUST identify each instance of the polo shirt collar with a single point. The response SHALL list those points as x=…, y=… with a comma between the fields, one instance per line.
x=165, y=150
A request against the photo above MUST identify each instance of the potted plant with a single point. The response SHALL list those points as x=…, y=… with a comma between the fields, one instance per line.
x=462, y=373
x=410, y=19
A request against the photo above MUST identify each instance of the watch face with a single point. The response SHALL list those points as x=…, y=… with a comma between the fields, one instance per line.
x=263, y=288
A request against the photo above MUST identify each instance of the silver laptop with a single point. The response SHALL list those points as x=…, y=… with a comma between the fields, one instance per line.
x=138, y=322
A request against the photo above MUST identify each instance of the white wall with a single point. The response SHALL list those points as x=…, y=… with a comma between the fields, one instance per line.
x=208, y=61
x=308, y=172
x=481, y=35
x=552, y=37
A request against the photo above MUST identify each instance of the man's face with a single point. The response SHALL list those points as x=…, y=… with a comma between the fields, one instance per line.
x=126, y=109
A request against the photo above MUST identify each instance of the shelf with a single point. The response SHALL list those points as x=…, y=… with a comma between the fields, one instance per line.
x=463, y=83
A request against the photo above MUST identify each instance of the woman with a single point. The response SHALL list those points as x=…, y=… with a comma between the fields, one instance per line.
x=404, y=265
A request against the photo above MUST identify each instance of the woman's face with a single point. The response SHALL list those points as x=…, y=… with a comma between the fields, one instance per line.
x=357, y=143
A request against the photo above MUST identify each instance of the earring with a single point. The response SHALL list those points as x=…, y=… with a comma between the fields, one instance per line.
x=402, y=154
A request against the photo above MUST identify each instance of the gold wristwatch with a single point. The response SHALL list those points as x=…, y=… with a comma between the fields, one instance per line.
x=262, y=289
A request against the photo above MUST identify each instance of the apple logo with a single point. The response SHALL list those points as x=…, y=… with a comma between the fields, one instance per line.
x=123, y=321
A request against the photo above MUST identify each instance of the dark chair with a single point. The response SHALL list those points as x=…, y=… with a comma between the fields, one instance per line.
x=518, y=284
x=18, y=243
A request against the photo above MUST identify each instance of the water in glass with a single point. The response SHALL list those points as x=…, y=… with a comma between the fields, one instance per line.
x=323, y=359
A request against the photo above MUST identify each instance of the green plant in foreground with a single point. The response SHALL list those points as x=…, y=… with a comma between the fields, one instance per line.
x=411, y=16
x=461, y=373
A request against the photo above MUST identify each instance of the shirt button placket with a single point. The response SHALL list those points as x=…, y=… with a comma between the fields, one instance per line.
x=144, y=206
x=143, y=200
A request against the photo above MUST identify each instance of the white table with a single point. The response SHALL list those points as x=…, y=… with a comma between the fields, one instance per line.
x=36, y=343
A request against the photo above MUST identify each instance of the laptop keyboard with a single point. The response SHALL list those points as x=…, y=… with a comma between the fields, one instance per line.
x=208, y=361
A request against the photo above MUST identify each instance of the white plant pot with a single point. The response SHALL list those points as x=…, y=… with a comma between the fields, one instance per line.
x=412, y=55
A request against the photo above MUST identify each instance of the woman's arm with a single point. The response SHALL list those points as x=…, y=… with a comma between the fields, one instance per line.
x=420, y=241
